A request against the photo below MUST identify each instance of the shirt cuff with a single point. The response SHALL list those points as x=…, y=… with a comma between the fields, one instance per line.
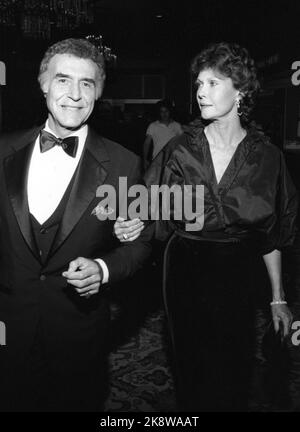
x=104, y=269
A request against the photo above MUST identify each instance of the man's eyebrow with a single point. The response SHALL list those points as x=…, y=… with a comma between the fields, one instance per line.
x=90, y=80
x=62, y=75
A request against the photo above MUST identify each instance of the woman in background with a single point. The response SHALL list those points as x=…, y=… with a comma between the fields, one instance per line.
x=250, y=207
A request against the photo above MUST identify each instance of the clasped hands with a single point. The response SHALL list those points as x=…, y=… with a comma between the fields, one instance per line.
x=85, y=275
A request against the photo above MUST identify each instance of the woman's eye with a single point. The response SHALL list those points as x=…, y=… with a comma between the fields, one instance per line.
x=213, y=83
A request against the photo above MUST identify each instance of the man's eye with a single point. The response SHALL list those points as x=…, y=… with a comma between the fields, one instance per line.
x=87, y=84
x=62, y=80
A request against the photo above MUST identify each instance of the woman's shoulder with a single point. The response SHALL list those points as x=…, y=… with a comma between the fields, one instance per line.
x=261, y=142
x=262, y=146
x=187, y=140
x=173, y=157
x=176, y=143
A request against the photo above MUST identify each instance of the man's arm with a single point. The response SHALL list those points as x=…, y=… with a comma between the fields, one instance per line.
x=127, y=258
x=86, y=275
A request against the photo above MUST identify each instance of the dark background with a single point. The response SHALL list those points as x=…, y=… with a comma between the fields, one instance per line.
x=155, y=42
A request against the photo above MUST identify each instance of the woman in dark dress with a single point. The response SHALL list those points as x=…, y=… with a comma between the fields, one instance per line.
x=250, y=207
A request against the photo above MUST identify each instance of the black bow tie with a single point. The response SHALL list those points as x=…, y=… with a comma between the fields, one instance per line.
x=69, y=144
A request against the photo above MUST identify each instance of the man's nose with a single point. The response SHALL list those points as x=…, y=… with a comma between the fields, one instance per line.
x=75, y=91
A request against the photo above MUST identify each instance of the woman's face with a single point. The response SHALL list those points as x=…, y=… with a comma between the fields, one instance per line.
x=216, y=95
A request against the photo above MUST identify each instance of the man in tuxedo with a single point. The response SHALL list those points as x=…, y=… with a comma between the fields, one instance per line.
x=57, y=257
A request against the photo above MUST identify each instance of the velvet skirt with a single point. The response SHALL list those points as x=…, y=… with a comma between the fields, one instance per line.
x=208, y=294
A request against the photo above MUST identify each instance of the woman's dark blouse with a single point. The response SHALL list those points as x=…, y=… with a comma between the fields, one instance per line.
x=255, y=197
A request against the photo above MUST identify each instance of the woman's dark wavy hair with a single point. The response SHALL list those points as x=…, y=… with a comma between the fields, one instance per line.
x=232, y=61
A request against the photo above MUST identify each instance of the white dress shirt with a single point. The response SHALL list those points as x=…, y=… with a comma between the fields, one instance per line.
x=49, y=176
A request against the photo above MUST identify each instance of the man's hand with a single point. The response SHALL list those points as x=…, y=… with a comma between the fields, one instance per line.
x=128, y=230
x=86, y=276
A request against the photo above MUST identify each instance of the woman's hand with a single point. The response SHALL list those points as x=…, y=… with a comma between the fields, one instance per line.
x=128, y=230
x=282, y=314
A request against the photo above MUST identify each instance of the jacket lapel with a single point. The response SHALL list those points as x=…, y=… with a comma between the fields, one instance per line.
x=91, y=173
x=16, y=168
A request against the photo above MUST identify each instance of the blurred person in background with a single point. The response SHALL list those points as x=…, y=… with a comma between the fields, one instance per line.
x=160, y=131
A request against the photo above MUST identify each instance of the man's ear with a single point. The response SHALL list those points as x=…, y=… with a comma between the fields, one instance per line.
x=99, y=91
x=44, y=84
x=99, y=87
x=44, y=89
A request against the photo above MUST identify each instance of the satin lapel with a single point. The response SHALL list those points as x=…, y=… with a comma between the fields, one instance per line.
x=239, y=158
x=210, y=177
x=90, y=174
x=16, y=172
x=208, y=165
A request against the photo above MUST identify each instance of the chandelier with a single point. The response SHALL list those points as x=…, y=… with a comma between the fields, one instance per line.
x=109, y=57
x=38, y=18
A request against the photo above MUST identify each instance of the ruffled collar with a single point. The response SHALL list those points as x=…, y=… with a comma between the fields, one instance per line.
x=195, y=132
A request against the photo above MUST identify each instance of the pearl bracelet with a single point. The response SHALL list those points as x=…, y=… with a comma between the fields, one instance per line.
x=278, y=302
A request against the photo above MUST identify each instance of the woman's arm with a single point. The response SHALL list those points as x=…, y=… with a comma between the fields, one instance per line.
x=273, y=263
x=280, y=311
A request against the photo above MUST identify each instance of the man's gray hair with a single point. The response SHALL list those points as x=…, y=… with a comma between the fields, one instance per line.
x=80, y=48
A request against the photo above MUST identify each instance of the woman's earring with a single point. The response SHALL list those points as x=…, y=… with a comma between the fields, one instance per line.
x=238, y=104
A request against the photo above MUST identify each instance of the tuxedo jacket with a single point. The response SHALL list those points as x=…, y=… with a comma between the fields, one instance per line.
x=30, y=290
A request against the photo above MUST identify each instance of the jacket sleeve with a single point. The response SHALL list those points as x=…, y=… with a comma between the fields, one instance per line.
x=128, y=257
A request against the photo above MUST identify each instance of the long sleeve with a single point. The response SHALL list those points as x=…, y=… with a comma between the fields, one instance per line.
x=288, y=203
x=127, y=258
x=163, y=171
x=282, y=231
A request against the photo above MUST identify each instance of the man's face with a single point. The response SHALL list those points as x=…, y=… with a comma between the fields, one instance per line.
x=164, y=114
x=71, y=86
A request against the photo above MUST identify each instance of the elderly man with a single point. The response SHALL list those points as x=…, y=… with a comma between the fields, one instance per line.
x=56, y=254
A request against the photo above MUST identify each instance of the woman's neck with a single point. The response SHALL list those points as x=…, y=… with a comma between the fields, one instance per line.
x=225, y=133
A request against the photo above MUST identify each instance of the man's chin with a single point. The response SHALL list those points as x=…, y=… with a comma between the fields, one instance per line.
x=72, y=125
